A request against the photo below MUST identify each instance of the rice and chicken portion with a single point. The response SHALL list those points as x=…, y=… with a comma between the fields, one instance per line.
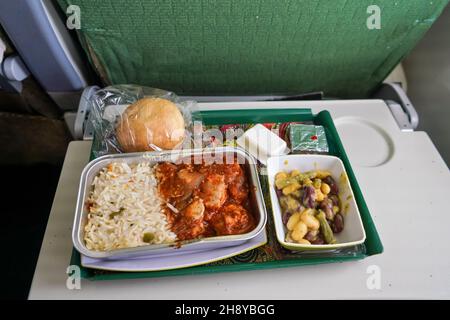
x=125, y=209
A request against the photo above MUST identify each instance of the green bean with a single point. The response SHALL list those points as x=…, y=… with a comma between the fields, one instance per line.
x=325, y=228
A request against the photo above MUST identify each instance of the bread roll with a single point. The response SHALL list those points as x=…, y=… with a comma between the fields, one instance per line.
x=150, y=121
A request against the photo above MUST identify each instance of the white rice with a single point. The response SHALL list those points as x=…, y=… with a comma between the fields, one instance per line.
x=124, y=206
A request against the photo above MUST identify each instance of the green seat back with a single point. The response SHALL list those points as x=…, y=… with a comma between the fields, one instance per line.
x=242, y=47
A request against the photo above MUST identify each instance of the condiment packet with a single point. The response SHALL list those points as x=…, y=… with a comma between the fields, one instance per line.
x=310, y=138
x=262, y=143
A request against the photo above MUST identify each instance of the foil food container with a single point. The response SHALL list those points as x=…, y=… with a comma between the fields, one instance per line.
x=91, y=170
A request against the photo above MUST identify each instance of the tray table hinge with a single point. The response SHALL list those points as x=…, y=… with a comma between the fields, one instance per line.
x=401, y=107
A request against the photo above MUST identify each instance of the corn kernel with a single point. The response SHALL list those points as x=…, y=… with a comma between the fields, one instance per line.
x=281, y=175
x=322, y=174
x=311, y=222
x=319, y=195
x=303, y=241
x=325, y=188
x=293, y=220
x=299, y=231
x=291, y=188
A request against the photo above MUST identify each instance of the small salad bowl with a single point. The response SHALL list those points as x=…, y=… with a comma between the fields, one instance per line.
x=353, y=232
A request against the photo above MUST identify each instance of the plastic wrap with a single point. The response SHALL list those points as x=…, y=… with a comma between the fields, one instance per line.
x=123, y=122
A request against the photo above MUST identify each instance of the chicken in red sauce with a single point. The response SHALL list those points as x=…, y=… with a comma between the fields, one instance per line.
x=205, y=200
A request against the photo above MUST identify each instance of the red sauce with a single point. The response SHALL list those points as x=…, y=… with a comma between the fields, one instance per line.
x=204, y=200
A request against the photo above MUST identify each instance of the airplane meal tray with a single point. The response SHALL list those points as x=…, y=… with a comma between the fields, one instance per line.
x=271, y=254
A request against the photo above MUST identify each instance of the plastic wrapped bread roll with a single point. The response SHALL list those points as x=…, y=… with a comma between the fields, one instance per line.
x=150, y=124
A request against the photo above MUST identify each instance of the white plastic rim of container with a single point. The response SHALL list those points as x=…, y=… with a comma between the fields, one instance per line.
x=262, y=143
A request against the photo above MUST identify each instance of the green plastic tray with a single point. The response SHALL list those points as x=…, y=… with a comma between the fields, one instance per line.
x=371, y=246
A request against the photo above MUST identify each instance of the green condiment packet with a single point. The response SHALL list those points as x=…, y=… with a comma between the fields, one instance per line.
x=304, y=137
